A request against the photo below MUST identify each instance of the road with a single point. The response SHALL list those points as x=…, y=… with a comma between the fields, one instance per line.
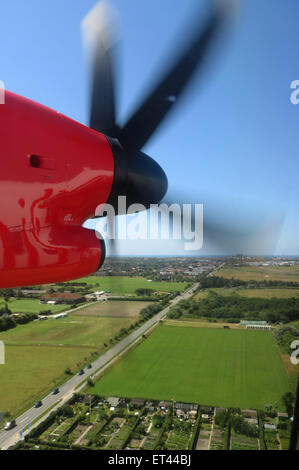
x=8, y=438
x=217, y=268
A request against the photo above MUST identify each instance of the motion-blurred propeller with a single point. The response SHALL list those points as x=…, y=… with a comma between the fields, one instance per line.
x=138, y=176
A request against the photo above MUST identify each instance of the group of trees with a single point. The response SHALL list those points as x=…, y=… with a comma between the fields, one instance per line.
x=285, y=336
x=288, y=400
x=237, y=422
x=182, y=426
x=7, y=293
x=158, y=420
x=144, y=291
x=45, y=312
x=151, y=310
x=139, y=431
x=234, y=307
x=125, y=331
x=74, y=287
x=18, y=293
x=218, y=281
x=7, y=321
x=5, y=309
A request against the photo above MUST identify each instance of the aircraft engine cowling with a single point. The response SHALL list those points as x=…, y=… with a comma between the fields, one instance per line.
x=50, y=254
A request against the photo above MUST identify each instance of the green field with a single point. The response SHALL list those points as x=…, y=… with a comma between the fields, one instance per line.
x=261, y=273
x=77, y=331
x=31, y=306
x=30, y=373
x=201, y=323
x=128, y=285
x=230, y=368
x=259, y=292
x=113, y=308
x=38, y=353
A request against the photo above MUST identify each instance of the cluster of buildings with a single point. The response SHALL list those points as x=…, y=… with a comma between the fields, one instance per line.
x=181, y=410
x=184, y=411
x=71, y=298
x=256, y=325
x=192, y=270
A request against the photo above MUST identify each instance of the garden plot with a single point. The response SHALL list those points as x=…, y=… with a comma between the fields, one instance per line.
x=203, y=440
x=177, y=440
x=242, y=442
x=270, y=439
x=78, y=433
x=56, y=431
x=217, y=440
x=151, y=438
x=117, y=440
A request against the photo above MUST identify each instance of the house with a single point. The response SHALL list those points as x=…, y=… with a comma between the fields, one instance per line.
x=186, y=406
x=150, y=406
x=192, y=414
x=164, y=404
x=209, y=410
x=100, y=295
x=258, y=327
x=113, y=401
x=282, y=416
x=33, y=292
x=219, y=410
x=252, y=421
x=88, y=399
x=137, y=402
x=250, y=414
x=269, y=426
x=256, y=324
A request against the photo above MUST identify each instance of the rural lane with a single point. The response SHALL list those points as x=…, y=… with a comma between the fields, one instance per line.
x=8, y=438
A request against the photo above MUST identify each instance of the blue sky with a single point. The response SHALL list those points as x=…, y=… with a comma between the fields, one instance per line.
x=233, y=143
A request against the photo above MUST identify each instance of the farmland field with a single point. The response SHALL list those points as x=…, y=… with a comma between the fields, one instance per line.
x=31, y=372
x=230, y=368
x=72, y=330
x=263, y=293
x=128, y=285
x=113, y=308
x=38, y=353
x=261, y=273
x=201, y=323
x=31, y=306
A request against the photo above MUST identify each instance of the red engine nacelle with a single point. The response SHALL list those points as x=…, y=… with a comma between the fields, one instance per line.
x=54, y=173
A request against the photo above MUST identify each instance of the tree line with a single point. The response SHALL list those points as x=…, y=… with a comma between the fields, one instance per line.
x=237, y=422
x=235, y=308
x=218, y=281
x=7, y=321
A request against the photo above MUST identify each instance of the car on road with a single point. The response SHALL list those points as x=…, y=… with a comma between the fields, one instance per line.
x=55, y=391
x=89, y=366
x=81, y=372
x=38, y=403
x=10, y=424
